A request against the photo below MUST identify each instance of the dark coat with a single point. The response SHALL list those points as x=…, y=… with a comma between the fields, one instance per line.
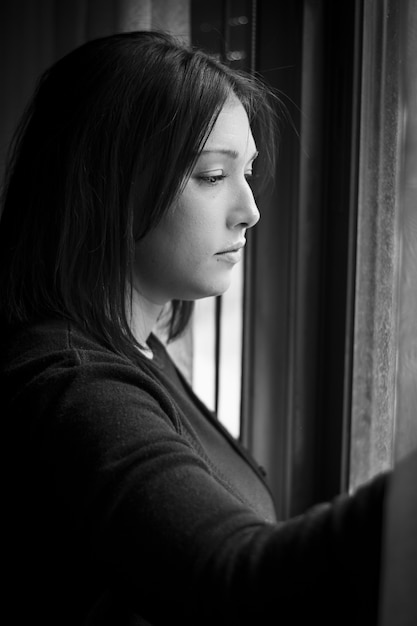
x=127, y=499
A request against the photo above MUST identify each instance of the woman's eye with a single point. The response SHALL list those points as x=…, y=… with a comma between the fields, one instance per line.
x=211, y=180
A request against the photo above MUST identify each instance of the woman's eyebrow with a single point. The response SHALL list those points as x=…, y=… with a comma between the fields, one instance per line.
x=232, y=153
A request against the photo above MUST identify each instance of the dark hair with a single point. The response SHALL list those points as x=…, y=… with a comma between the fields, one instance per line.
x=112, y=132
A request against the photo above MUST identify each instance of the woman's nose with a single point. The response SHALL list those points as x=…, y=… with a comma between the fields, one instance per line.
x=245, y=212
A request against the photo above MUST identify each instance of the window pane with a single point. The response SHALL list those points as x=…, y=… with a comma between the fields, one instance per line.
x=230, y=375
x=204, y=355
x=217, y=377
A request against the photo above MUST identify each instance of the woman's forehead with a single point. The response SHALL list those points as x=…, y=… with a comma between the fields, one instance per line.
x=231, y=132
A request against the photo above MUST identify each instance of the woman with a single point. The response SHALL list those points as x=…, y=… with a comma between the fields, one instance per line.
x=128, y=191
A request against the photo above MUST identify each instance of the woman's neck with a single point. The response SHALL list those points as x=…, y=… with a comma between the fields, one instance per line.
x=144, y=315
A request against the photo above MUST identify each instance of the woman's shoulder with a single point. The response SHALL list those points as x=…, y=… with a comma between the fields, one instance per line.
x=44, y=344
x=59, y=340
x=59, y=362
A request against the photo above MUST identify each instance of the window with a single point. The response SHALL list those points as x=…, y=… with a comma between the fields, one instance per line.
x=319, y=321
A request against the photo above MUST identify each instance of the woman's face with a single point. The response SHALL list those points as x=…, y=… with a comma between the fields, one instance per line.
x=192, y=251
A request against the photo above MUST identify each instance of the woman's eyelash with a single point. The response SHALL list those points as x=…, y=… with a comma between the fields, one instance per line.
x=213, y=179
x=217, y=178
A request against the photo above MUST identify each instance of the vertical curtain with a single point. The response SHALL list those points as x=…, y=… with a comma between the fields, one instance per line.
x=375, y=325
x=399, y=600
